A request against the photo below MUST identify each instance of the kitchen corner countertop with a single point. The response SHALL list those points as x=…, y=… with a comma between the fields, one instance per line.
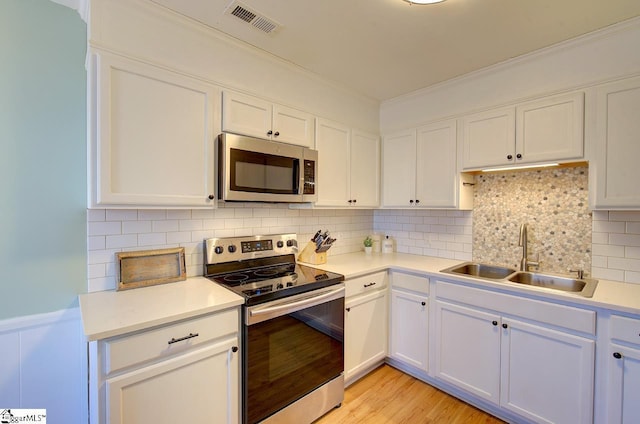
x=112, y=313
x=612, y=295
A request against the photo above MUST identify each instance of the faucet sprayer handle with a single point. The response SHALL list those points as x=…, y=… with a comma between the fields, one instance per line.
x=580, y=272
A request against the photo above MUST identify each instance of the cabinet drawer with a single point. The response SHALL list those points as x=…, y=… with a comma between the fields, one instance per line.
x=365, y=284
x=625, y=329
x=125, y=351
x=410, y=282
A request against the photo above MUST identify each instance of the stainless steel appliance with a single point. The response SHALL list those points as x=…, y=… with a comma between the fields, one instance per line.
x=252, y=169
x=292, y=327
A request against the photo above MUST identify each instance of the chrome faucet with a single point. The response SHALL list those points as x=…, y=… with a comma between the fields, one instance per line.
x=525, y=263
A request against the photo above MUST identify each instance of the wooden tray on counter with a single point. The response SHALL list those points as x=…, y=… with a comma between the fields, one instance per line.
x=150, y=267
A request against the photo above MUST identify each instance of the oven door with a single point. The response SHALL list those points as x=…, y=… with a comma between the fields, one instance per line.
x=260, y=170
x=292, y=346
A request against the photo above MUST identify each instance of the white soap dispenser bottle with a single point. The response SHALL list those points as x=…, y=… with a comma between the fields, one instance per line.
x=387, y=245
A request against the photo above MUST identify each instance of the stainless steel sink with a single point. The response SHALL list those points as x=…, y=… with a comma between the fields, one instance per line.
x=474, y=269
x=585, y=286
x=581, y=286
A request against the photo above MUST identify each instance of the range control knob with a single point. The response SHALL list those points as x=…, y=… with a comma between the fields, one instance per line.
x=231, y=248
x=280, y=244
x=279, y=286
x=218, y=250
x=289, y=243
x=289, y=284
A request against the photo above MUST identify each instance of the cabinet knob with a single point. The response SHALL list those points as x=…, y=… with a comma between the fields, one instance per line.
x=348, y=309
x=518, y=156
x=617, y=355
x=411, y=201
x=494, y=322
x=354, y=200
x=269, y=132
x=509, y=157
x=423, y=303
x=505, y=326
x=234, y=349
x=277, y=133
x=417, y=201
x=211, y=197
x=350, y=201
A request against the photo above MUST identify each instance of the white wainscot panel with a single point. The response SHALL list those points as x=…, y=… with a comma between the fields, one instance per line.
x=43, y=365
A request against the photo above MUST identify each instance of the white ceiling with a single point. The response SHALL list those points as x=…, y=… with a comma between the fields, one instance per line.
x=386, y=48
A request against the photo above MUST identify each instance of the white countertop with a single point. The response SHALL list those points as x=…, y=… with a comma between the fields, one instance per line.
x=616, y=296
x=112, y=313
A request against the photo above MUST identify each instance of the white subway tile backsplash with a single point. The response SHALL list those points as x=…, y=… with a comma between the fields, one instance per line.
x=624, y=215
x=125, y=240
x=632, y=252
x=624, y=239
x=134, y=227
x=624, y=264
x=607, y=274
x=607, y=250
x=633, y=228
x=121, y=215
x=608, y=227
x=152, y=214
x=112, y=231
x=632, y=277
x=104, y=228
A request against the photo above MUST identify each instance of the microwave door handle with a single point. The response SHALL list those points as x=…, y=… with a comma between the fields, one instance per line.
x=297, y=187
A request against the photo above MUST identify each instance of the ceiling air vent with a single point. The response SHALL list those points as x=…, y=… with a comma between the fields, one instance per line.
x=252, y=17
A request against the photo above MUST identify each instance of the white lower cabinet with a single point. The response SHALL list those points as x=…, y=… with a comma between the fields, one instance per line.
x=409, y=320
x=197, y=386
x=365, y=338
x=623, y=368
x=535, y=371
x=188, y=369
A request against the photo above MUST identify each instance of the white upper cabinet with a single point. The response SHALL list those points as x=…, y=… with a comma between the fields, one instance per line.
x=488, y=138
x=348, y=166
x=436, y=182
x=152, y=136
x=548, y=129
x=248, y=115
x=365, y=169
x=419, y=168
x=399, y=169
x=616, y=171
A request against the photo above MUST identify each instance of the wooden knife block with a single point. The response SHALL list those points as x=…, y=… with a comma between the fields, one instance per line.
x=310, y=256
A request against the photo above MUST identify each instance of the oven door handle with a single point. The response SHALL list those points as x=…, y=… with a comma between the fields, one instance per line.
x=261, y=313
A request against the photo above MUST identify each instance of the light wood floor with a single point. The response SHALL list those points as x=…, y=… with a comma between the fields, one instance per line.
x=389, y=396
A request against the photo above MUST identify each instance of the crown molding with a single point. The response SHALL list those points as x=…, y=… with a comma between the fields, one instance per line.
x=80, y=6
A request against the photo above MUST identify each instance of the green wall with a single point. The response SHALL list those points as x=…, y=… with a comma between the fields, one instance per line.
x=42, y=157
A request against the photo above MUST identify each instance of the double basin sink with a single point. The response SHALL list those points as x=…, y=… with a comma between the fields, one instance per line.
x=581, y=286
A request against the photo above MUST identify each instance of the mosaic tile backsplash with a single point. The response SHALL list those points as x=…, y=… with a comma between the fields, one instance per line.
x=554, y=205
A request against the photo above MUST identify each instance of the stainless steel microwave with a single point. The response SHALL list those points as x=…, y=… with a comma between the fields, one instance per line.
x=256, y=170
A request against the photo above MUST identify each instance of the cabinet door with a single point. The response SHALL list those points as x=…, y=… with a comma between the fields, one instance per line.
x=332, y=143
x=488, y=138
x=154, y=136
x=365, y=333
x=365, y=169
x=399, y=169
x=246, y=115
x=199, y=386
x=547, y=375
x=617, y=149
x=409, y=328
x=436, y=182
x=467, y=352
x=623, y=401
x=293, y=126
x=550, y=129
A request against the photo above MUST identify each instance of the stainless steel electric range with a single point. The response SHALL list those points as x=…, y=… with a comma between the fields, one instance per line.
x=292, y=327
